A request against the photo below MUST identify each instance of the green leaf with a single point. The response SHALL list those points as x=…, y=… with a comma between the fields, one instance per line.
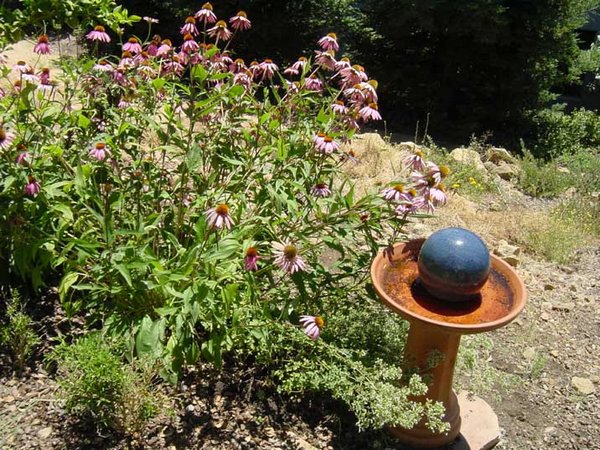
x=65, y=284
x=83, y=121
x=149, y=336
x=124, y=271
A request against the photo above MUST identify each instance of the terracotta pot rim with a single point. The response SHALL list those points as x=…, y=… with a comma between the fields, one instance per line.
x=520, y=294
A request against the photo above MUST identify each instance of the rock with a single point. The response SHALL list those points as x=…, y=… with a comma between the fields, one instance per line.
x=507, y=252
x=468, y=157
x=370, y=141
x=44, y=433
x=480, y=429
x=583, y=385
x=563, y=306
x=548, y=287
x=570, y=193
x=506, y=171
x=496, y=155
x=562, y=169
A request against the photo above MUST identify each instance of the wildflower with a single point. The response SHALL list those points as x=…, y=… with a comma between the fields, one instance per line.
x=329, y=42
x=189, y=27
x=339, y=107
x=153, y=46
x=30, y=77
x=149, y=19
x=415, y=161
x=173, y=66
x=327, y=145
x=395, y=193
x=32, y=188
x=132, y=45
x=353, y=75
x=268, y=68
x=98, y=34
x=410, y=204
x=370, y=112
x=126, y=61
x=118, y=75
x=319, y=138
x=218, y=217
x=326, y=59
x=312, y=326
x=293, y=87
x=22, y=67
x=103, y=66
x=313, y=83
x=287, y=258
x=240, y=21
x=99, y=152
x=243, y=78
x=165, y=48
x=297, y=67
x=239, y=65
x=251, y=259
x=6, y=138
x=42, y=47
x=369, y=90
x=343, y=63
x=22, y=159
x=220, y=31
x=44, y=76
x=320, y=190
x=189, y=44
x=354, y=94
x=351, y=155
x=206, y=14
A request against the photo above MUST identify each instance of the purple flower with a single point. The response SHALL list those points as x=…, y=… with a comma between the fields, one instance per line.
x=218, y=217
x=189, y=27
x=32, y=188
x=329, y=42
x=206, y=14
x=312, y=326
x=251, y=259
x=326, y=145
x=287, y=258
x=240, y=21
x=99, y=152
x=98, y=34
x=132, y=45
x=6, y=138
x=42, y=47
x=395, y=193
x=320, y=190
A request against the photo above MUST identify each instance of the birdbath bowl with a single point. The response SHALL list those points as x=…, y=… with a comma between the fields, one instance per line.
x=436, y=326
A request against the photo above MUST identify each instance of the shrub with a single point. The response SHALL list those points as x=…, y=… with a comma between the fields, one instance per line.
x=99, y=387
x=18, y=333
x=188, y=201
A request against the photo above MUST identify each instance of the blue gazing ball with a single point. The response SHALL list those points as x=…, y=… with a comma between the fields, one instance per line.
x=454, y=264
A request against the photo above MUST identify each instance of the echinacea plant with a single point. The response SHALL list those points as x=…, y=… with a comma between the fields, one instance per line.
x=198, y=205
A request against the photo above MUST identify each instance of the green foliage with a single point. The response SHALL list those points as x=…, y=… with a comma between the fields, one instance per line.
x=17, y=333
x=21, y=17
x=98, y=386
x=559, y=133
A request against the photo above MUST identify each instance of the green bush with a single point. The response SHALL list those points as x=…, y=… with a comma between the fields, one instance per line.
x=17, y=333
x=99, y=387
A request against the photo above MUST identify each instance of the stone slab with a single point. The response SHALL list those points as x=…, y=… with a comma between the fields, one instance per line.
x=479, y=429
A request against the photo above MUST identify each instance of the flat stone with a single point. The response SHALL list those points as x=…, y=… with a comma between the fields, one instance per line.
x=468, y=157
x=583, y=385
x=479, y=429
x=509, y=253
x=44, y=433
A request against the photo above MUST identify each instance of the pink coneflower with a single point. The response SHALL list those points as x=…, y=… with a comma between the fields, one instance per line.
x=173, y=66
x=395, y=193
x=243, y=78
x=44, y=76
x=30, y=77
x=141, y=58
x=293, y=87
x=118, y=75
x=287, y=258
x=370, y=112
x=132, y=45
x=240, y=21
x=6, y=138
x=353, y=75
x=220, y=31
x=343, y=63
x=410, y=205
x=189, y=27
x=415, y=161
x=369, y=90
x=268, y=69
x=338, y=107
x=329, y=42
x=320, y=190
x=326, y=59
x=165, y=48
x=153, y=46
x=189, y=44
x=314, y=83
x=297, y=67
x=98, y=34
x=354, y=94
x=327, y=145
x=42, y=47
x=251, y=259
x=218, y=217
x=99, y=152
x=127, y=60
x=239, y=65
x=22, y=159
x=312, y=326
x=22, y=67
x=32, y=188
x=103, y=66
x=437, y=173
x=206, y=14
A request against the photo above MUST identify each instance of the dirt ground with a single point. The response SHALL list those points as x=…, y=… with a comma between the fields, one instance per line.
x=541, y=373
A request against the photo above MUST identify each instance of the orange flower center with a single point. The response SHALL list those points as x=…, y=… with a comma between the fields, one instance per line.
x=45, y=71
x=412, y=192
x=188, y=37
x=100, y=145
x=242, y=14
x=99, y=28
x=222, y=209
x=126, y=54
x=332, y=35
x=373, y=83
x=319, y=321
x=373, y=106
x=444, y=171
x=339, y=102
x=167, y=42
x=132, y=40
x=251, y=252
x=190, y=19
x=290, y=252
x=2, y=134
x=399, y=188
x=207, y=6
x=21, y=63
x=221, y=24
x=269, y=61
x=43, y=39
x=328, y=139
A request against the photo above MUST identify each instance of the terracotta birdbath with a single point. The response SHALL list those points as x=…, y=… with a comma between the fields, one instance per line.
x=436, y=326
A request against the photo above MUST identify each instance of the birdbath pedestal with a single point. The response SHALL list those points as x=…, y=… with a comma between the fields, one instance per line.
x=436, y=327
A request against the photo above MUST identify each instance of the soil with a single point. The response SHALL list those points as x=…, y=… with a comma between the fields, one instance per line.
x=546, y=352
